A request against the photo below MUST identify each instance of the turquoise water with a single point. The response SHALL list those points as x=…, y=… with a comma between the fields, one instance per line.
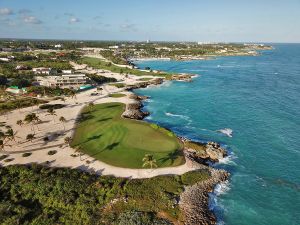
x=259, y=99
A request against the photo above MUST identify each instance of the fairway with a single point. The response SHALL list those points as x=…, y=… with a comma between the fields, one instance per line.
x=102, y=133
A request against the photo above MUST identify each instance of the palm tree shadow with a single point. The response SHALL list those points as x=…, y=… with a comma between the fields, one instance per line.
x=171, y=156
x=95, y=137
x=104, y=119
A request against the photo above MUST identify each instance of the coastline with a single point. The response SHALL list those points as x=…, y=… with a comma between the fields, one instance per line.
x=194, y=201
x=200, y=210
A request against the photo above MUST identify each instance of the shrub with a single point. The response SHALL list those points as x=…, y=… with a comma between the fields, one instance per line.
x=52, y=106
x=52, y=152
x=193, y=177
x=3, y=157
x=9, y=160
x=26, y=154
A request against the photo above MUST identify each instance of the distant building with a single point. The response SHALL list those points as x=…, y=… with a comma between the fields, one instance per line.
x=58, y=46
x=74, y=81
x=5, y=59
x=22, y=67
x=67, y=71
x=45, y=71
x=16, y=90
x=114, y=47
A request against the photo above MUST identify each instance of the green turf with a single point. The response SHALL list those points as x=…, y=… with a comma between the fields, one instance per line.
x=103, y=134
x=100, y=64
x=116, y=95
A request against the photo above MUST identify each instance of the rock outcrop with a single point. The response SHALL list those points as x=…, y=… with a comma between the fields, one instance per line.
x=204, y=153
x=133, y=111
x=156, y=81
x=182, y=77
x=194, y=201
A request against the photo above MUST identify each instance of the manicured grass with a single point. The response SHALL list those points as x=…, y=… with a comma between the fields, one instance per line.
x=99, y=64
x=116, y=95
x=103, y=134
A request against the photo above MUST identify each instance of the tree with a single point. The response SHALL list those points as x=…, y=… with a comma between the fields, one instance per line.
x=63, y=121
x=78, y=149
x=149, y=160
x=30, y=119
x=68, y=140
x=3, y=145
x=20, y=123
x=73, y=95
x=51, y=112
x=91, y=106
x=30, y=137
x=11, y=135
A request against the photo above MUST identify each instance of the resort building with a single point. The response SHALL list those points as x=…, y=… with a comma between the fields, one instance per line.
x=73, y=81
x=16, y=90
x=45, y=71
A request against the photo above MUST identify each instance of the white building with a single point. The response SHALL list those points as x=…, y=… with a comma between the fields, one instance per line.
x=45, y=71
x=64, y=81
x=67, y=71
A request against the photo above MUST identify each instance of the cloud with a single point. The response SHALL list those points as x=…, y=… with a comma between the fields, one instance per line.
x=24, y=11
x=74, y=20
x=6, y=12
x=69, y=14
x=128, y=27
x=31, y=20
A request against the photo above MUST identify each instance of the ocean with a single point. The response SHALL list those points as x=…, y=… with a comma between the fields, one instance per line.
x=258, y=98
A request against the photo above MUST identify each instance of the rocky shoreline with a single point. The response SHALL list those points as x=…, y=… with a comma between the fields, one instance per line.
x=194, y=201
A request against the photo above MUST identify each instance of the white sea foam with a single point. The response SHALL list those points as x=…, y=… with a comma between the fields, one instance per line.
x=222, y=188
x=229, y=160
x=176, y=115
x=214, y=204
x=227, y=131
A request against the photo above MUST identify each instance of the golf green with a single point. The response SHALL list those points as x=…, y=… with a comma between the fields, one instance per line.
x=102, y=133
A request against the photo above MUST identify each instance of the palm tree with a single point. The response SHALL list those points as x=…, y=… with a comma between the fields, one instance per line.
x=20, y=123
x=30, y=118
x=3, y=145
x=68, y=140
x=36, y=120
x=51, y=112
x=30, y=137
x=149, y=160
x=63, y=120
x=73, y=95
x=11, y=135
x=78, y=149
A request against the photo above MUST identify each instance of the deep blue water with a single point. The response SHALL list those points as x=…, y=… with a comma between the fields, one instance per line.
x=259, y=99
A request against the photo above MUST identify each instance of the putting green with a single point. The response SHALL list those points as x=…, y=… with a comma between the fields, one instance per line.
x=102, y=133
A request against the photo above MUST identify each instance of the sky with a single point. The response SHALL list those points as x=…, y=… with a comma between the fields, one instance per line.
x=157, y=20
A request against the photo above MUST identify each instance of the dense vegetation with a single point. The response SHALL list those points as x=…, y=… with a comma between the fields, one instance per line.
x=18, y=103
x=102, y=133
x=40, y=195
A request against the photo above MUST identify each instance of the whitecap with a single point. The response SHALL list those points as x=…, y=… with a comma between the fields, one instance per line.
x=176, y=115
x=227, y=131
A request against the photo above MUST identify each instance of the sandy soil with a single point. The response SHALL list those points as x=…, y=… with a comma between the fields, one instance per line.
x=56, y=132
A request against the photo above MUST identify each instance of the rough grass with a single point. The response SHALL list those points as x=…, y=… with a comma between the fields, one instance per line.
x=116, y=95
x=200, y=148
x=103, y=134
x=99, y=64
